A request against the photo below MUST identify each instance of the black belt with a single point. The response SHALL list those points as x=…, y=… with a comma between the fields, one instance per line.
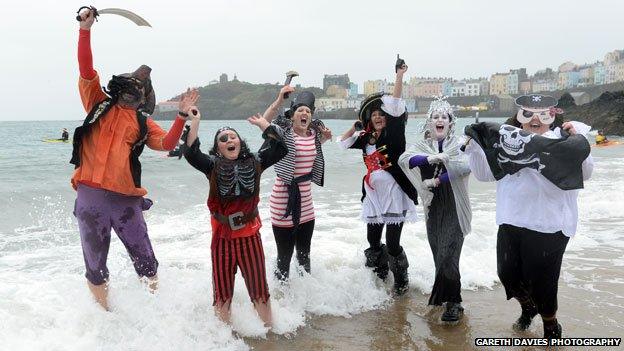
x=293, y=207
x=236, y=220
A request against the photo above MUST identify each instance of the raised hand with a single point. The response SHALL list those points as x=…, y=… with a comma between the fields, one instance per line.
x=87, y=19
x=259, y=121
x=194, y=113
x=400, y=67
x=326, y=134
x=401, y=70
x=569, y=127
x=286, y=89
x=188, y=100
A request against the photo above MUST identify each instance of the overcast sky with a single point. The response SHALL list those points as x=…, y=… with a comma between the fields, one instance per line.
x=192, y=42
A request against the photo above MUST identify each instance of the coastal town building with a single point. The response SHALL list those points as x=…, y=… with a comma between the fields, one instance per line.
x=568, y=79
x=613, y=57
x=476, y=87
x=337, y=92
x=167, y=106
x=567, y=76
x=543, y=85
x=341, y=80
x=374, y=86
x=432, y=87
x=459, y=89
x=619, y=71
x=513, y=80
x=498, y=84
x=600, y=74
x=354, y=102
x=525, y=86
x=353, y=89
x=610, y=74
x=330, y=104
x=586, y=75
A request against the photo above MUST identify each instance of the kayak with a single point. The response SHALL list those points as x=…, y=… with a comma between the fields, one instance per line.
x=56, y=141
x=608, y=143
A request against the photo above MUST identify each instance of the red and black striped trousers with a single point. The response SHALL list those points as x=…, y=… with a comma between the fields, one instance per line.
x=246, y=253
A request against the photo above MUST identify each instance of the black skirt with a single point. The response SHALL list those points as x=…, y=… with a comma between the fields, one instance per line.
x=446, y=240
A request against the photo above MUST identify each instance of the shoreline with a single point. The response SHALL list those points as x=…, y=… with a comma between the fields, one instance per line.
x=407, y=323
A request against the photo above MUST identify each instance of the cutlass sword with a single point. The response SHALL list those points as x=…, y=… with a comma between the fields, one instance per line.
x=138, y=20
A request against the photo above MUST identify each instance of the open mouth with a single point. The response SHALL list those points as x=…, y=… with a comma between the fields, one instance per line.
x=516, y=147
x=304, y=120
x=231, y=148
x=439, y=128
x=535, y=125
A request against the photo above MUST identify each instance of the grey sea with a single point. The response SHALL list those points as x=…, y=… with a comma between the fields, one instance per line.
x=45, y=304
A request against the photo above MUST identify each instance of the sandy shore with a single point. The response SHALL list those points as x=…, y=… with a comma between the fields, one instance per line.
x=591, y=304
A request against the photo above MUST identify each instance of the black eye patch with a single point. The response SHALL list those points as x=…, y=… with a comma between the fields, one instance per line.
x=224, y=138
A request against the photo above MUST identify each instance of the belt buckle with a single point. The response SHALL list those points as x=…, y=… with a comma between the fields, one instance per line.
x=236, y=220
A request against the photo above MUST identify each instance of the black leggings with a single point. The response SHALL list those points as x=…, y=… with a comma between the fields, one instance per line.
x=286, y=240
x=393, y=236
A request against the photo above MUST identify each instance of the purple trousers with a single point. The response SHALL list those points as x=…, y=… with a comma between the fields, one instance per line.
x=99, y=210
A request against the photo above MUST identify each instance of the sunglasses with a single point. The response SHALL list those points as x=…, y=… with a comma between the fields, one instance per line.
x=525, y=116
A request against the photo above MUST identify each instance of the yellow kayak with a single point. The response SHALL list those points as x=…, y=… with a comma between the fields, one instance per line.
x=607, y=143
x=56, y=141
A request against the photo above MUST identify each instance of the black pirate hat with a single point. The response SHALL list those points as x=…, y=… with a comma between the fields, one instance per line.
x=536, y=101
x=371, y=103
x=140, y=77
x=304, y=98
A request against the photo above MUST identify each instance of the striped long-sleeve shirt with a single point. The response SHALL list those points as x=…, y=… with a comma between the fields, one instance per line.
x=305, y=153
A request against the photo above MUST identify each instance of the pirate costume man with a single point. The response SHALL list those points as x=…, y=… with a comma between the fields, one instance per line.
x=106, y=150
x=539, y=171
x=440, y=173
x=388, y=197
x=234, y=174
x=292, y=208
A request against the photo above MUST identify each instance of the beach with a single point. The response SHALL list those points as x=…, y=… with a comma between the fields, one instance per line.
x=45, y=304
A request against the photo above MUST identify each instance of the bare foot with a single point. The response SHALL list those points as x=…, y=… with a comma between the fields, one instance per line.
x=223, y=311
x=100, y=293
x=264, y=312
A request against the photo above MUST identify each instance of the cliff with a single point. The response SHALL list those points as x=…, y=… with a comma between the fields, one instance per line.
x=234, y=100
x=606, y=112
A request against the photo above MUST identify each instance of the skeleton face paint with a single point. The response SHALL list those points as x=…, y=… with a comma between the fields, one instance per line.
x=513, y=140
x=439, y=125
x=228, y=144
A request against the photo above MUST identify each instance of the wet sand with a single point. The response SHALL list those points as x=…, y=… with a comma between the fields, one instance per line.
x=591, y=304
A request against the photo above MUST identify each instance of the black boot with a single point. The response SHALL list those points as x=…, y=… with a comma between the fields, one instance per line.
x=524, y=321
x=552, y=330
x=398, y=265
x=453, y=312
x=377, y=258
